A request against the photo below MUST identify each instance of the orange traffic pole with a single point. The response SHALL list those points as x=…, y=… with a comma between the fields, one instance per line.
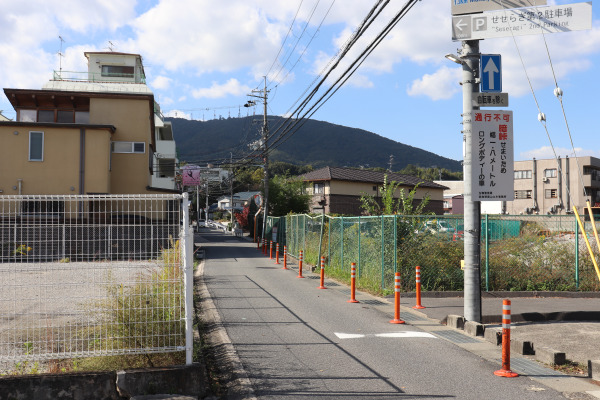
x=271, y=250
x=258, y=245
x=284, y=257
x=264, y=246
x=322, y=273
x=300, y=257
x=396, y=319
x=277, y=254
x=418, y=279
x=505, y=371
x=353, y=284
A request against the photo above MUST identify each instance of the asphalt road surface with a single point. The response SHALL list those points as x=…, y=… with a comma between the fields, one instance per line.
x=299, y=342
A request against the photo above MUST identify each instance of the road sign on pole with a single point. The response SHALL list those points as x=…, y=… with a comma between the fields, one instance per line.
x=491, y=73
x=523, y=21
x=473, y=6
x=490, y=100
x=492, y=156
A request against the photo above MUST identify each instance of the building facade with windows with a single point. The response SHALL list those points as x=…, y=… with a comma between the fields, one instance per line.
x=338, y=190
x=96, y=132
x=547, y=186
x=554, y=186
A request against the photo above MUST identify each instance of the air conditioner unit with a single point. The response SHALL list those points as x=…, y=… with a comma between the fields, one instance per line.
x=544, y=179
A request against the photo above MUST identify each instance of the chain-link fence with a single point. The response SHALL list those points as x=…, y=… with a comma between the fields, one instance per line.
x=93, y=275
x=517, y=252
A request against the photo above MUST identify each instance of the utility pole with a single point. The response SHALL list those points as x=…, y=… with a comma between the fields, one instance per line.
x=472, y=217
x=262, y=94
x=231, y=186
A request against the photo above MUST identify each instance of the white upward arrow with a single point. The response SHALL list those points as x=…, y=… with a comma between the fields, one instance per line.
x=491, y=69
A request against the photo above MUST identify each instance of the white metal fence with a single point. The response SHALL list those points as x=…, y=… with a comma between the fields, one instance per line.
x=94, y=275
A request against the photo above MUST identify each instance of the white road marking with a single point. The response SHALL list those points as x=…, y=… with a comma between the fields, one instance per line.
x=404, y=334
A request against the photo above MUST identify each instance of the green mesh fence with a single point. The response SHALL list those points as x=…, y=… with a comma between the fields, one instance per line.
x=517, y=252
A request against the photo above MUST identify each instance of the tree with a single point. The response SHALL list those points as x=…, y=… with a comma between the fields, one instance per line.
x=285, y=196
x=403, y=205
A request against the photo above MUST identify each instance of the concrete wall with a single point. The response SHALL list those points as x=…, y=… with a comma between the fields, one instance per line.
x=184, y=380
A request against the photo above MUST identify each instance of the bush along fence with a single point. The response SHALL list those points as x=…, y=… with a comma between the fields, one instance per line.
x=518, y=253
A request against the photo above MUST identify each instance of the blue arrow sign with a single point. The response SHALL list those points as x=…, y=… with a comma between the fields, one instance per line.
x=491, y=73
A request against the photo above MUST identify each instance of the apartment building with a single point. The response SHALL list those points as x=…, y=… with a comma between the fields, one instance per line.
x=93, y=132
x=554, y=186
x=546, y=186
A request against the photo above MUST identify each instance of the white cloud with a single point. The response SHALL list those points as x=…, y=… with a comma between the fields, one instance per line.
x=205, y=37
x=161, y=82
x=177, y=114
x=231, y=87
x=440, y=85
x=546, y=152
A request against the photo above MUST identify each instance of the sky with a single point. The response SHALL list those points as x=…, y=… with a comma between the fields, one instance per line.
x=202, y=58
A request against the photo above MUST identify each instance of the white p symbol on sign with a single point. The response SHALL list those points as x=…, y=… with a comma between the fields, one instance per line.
x=479, y=24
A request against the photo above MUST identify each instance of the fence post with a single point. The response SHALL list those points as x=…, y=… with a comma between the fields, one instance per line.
x=382, y=251
x=487, y=255
x=188, y=279
x=342, y=244
x=576, y=254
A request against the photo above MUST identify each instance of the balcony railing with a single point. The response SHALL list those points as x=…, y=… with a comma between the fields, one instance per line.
x=75, y=76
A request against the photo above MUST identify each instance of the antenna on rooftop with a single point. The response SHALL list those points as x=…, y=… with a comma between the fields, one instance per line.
x=60, y=54
x=111, y=46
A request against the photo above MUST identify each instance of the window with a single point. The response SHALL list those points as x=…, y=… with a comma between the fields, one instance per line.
x=45, y=116
x=525, y=174
x=522, y=194
x=82, y=117
x=550, y=173
x=119, y=71
x=319, y=188
x=375, y=187
x=64, y=116
x=27, y=115
x=36, y=146
x=550, y=193
x=129, y=147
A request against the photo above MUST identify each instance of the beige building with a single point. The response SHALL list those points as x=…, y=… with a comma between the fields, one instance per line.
x=339, y=189
x=554, y=186
x=96, y=132
x=547, y=186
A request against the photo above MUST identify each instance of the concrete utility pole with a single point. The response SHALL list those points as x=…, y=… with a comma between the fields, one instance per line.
x=472, y=217
x=263, y=96
x=231, y=187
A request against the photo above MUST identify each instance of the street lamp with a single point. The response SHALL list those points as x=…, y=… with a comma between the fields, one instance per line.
x=454, y=58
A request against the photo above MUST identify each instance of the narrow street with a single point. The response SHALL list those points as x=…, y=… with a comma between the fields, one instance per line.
x=297, y=341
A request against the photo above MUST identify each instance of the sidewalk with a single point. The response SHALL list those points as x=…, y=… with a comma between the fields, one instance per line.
x=565, y=324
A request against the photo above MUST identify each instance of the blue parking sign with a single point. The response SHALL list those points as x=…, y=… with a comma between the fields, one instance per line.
x=491, y=73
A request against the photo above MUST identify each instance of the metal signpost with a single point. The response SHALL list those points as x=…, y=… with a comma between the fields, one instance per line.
x=488, y=134
x=491, y=73
x=492, y=152
x=490, y=100
x=474, y=6
x=524, y=21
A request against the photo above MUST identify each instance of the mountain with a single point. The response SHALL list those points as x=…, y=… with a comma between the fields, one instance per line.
x=316, y=143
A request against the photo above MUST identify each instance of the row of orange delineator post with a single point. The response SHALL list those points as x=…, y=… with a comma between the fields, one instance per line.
x=505, y=371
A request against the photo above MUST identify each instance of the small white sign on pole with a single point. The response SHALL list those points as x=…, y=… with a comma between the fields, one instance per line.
x=492, y=156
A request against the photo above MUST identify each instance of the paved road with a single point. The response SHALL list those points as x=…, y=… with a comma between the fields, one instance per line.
x=296, y=341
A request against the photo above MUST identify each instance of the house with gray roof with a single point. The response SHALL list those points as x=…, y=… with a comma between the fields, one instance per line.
x=339, y=189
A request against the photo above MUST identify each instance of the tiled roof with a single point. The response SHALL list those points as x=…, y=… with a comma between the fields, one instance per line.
x=363, y=175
